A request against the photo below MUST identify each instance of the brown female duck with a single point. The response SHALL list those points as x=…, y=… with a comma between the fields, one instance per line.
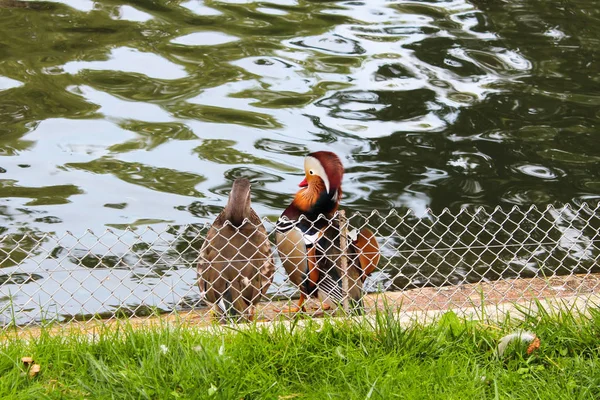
x=236, y=263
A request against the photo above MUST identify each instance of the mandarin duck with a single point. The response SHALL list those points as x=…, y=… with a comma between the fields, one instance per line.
x=308, y=238
x=236, y=263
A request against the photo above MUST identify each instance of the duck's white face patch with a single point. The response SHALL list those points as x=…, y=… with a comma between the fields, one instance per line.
x=312, y=166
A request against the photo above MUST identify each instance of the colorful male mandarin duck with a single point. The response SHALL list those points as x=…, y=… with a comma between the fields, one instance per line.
x=236, y=263
x=308, y=239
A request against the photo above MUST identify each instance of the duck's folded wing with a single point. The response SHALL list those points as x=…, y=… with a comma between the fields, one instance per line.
x=267, y=264
x=207, y=274
x=292, y=251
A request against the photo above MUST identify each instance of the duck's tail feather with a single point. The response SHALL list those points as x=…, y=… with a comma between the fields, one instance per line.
x=331, y=289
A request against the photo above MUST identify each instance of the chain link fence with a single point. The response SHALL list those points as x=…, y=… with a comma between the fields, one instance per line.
x=431, y=261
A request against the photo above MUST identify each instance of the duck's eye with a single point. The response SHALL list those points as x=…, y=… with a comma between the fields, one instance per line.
x=311, y=172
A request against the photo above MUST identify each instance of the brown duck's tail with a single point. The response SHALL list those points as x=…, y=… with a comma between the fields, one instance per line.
x=225, y=294
x=232, y=302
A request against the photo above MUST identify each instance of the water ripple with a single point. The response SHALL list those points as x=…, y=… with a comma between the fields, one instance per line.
x=204, y=39
x=127, y=59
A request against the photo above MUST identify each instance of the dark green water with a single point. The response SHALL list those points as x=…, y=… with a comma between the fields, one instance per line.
x=113, y=113
x=143, y=112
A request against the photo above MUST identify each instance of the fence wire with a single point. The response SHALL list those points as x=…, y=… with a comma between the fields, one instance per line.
x=430, y=261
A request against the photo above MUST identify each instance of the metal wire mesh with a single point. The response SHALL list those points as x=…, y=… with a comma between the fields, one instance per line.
x=430, y=261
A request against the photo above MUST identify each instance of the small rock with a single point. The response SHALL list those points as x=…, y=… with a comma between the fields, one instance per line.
x=33, y=371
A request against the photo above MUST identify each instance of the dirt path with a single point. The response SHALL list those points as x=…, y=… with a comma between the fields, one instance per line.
x=424, y=299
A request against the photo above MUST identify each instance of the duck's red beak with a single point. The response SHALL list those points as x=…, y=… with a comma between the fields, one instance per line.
x=304, y=183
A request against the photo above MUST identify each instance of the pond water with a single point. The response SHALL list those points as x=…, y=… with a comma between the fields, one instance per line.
x=118, y=113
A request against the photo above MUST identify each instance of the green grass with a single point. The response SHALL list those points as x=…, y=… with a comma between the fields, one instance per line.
x=377, y=359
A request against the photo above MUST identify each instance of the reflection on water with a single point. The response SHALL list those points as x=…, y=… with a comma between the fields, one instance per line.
x=119, y=113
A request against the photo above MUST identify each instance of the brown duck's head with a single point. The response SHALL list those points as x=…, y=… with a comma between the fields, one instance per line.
x=239, y=205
